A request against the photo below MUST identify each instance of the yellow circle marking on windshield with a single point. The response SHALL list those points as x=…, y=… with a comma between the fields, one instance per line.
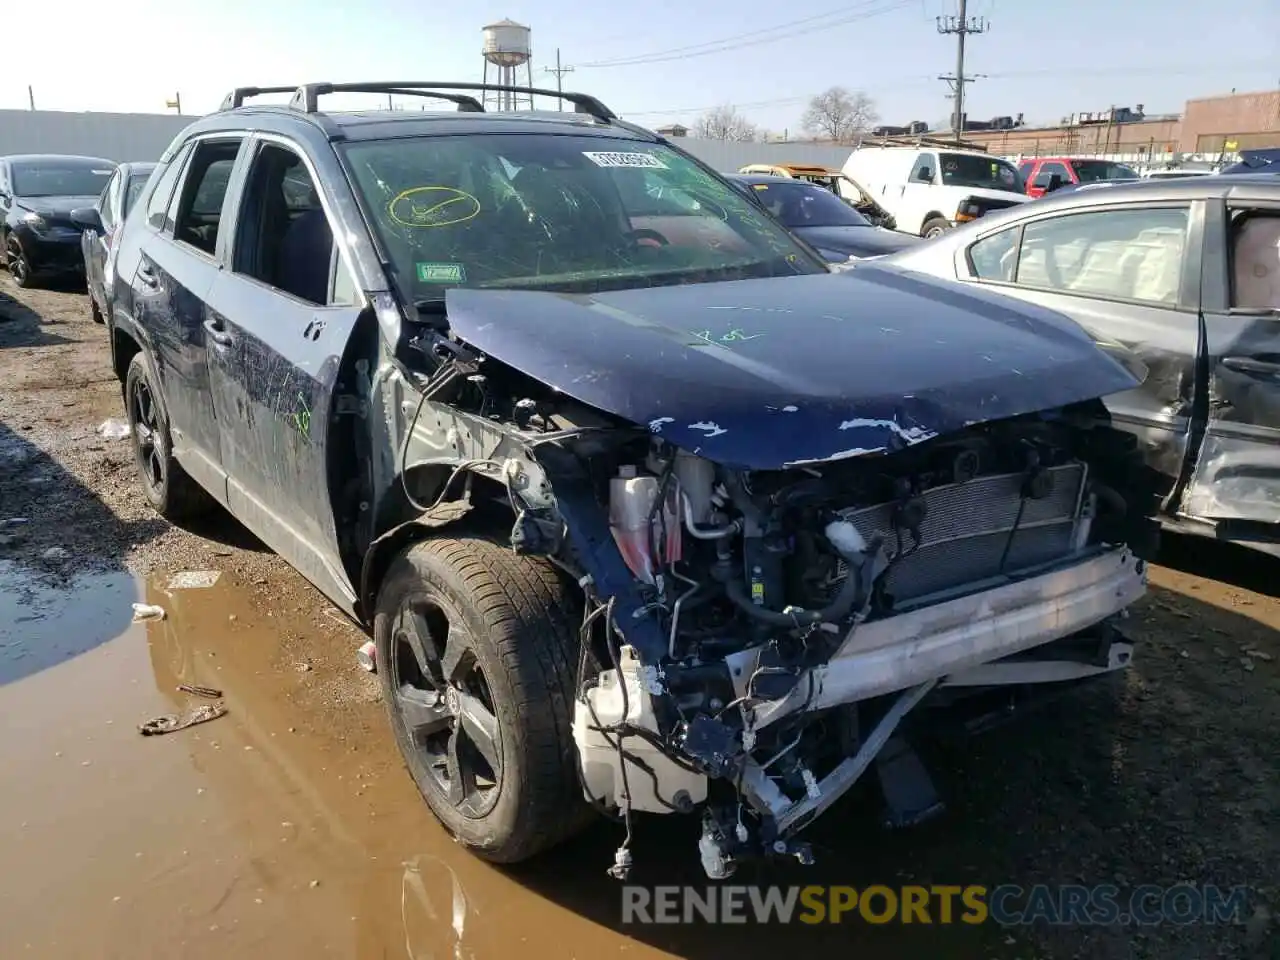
x=432, y=207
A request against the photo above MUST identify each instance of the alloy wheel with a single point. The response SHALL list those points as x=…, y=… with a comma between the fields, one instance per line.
x=442, y=698
x=148, y=434
x=18, y=267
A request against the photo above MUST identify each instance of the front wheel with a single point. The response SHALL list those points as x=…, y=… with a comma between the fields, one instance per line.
x=475, y=653
x=19, y=265
x=935, y=227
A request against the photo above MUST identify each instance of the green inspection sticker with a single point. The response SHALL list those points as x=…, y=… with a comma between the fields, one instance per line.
x=441, y=273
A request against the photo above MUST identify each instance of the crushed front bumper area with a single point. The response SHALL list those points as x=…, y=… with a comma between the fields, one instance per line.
x=1012, y=633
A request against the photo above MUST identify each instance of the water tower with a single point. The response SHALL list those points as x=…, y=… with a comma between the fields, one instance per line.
x=507, y=48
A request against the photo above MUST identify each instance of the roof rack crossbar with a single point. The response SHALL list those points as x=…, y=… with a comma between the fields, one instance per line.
x=465, y=103
x=307, y=96
x=239, y=95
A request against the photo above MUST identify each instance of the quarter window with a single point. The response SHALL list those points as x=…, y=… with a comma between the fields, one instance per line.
x=1132, y=254
x=158, y=202
x=996, y=256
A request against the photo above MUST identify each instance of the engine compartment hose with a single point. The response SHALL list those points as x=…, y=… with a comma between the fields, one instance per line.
x=837, y=609
x=705, y=533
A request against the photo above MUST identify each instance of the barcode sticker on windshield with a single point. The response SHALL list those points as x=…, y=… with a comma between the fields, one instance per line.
x=643, y=160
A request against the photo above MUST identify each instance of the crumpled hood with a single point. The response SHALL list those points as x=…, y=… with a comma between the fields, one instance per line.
x=762, y=374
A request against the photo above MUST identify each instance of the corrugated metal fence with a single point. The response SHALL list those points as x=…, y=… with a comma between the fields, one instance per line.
x=728, y=157
x=112, y=136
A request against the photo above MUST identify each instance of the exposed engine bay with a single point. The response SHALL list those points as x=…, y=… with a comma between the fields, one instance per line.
x=752, y=640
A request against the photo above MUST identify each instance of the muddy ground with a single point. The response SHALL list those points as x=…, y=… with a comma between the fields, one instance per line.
x=289, y=828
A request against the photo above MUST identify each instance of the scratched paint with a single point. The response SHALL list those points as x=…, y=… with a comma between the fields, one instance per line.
x=909, y=434
x=840, y=455
x=736, y=335
x=655, y=426
x=710, y=429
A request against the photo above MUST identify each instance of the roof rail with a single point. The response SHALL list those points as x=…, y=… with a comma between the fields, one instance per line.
x=307, y=96
x=954, y=143
x=239, y=95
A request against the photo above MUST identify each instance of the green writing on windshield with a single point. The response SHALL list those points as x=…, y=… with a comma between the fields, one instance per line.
x=736, y=335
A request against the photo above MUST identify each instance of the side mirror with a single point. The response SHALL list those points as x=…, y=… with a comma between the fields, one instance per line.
x=87, y=218
x=925, y=175
x=1055, y=183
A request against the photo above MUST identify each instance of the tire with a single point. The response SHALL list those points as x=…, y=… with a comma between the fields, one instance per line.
x=494, y=757
x=19, y=266
x=173, y=494
x=934, y=227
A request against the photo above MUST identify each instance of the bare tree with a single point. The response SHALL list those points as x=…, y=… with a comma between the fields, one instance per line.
x=725, y=123
x=840, y=115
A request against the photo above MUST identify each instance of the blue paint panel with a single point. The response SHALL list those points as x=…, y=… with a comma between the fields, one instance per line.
x=762, y=373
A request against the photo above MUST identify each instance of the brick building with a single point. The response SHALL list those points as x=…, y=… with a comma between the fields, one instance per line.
x=1206, y=125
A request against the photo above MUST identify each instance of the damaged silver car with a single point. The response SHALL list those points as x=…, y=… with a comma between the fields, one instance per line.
x=647, y=509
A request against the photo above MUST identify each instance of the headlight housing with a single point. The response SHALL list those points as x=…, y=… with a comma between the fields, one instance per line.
x=36, y=222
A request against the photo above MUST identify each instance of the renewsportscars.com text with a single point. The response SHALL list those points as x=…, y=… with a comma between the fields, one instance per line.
x=1007, y=904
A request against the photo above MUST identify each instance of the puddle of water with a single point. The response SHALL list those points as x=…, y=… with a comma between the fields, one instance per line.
x=288, y=828
x=42, y=625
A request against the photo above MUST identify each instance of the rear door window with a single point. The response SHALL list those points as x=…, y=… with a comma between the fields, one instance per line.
x=198, y=214
x=1130, y=254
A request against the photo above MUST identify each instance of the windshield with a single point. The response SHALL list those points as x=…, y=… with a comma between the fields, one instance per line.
x=1091, y=171
x=136, y=182
x=568, y=213
x=60, y=178
x=807, y=205
x=988, y=173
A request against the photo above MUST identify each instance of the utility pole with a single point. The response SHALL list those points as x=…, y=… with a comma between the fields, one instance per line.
x=559, y=71
x=31, y=96
x=961, y=26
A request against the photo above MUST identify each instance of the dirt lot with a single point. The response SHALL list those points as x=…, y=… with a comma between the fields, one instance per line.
x=1170, y=775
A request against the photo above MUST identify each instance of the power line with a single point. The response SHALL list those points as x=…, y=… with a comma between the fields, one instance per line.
x=898, y=82
x=961, y=26
x=756, y=37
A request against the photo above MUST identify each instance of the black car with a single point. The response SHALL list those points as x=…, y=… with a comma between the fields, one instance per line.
x=37, y=195
x=610, y=464
x=822, y=219
x=1184, y=273
x=99, y=224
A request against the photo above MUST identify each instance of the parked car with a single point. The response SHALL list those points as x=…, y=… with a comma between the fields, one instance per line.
x=37, y=195
x=1046, y=174
x=817, y=216
x=643, y=505
x=929, y=189
x=99, y=224
x=1186, y=274
x=1169, y=174
x=1257, y=161
x=842, y=186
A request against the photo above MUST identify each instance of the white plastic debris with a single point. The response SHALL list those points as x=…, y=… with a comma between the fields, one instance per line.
x=55, y=553
x=367, y=657
x=194, y=579
x=147, y=611
x=113, y=429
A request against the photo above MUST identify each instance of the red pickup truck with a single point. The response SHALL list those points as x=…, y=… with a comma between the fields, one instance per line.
x=1039, y=173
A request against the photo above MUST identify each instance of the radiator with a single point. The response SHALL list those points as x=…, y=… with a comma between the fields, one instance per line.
x=967, y=529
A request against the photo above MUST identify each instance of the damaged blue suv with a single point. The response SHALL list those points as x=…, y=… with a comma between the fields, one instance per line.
x=647, y=510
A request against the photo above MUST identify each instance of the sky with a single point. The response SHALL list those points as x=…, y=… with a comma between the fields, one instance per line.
x=1045, y=60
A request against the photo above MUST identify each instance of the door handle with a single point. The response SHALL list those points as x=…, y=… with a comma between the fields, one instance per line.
x=1252, y=365
x=217, y=333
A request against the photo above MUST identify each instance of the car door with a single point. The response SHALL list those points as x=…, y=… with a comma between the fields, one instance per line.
x=174, y=272
x=1237, y=472
x=94, y=245
x=918, y=193
x=279, y=322
x=1129, y=274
